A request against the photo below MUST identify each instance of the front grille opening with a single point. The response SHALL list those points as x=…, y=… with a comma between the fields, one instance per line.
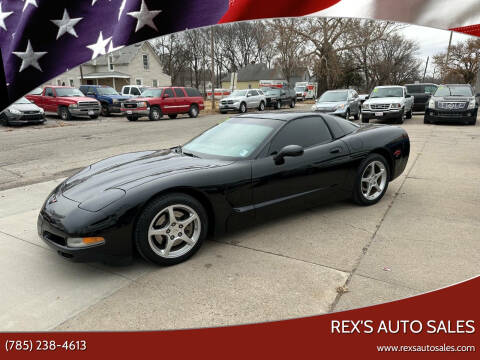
x=65, y=255
x=55, y=238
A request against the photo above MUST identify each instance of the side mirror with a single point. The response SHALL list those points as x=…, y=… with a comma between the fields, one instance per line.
x=248, y=95
x=408, y=96
x=165, y=96
x=289, y=150
x=367, y=97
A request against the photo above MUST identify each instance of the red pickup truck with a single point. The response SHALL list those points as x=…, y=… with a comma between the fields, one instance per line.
x=171, y=101
x=65, y=102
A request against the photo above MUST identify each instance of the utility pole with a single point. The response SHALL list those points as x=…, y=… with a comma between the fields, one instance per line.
x=448, y=56
x=212, y=54
x=81, y=75
x=426, y=66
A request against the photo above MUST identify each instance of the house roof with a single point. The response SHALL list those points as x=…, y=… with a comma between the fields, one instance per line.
x=256, y=72
x=124, y=56
x=106, y=74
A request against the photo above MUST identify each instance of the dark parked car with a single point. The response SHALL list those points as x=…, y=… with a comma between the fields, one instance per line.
x=421, y=94
x=452, y=103
x=277, y=97
x=248, y=168
x=22, y=112
x=109, y=98
x=342, y=103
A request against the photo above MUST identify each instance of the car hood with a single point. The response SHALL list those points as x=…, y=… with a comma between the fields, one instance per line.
x=384, y=100
x=234, y=98
x=118, y=97
x=132, y=169
x=453, y=98
x=329, y=104
x=24, y=107
x=140, y=99
x=76, y=98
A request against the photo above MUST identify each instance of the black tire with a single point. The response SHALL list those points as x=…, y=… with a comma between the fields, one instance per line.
x=472, y=122
x=243, y=108
x=426, y=120
x=64, y=113
x=358, y=196
x=172, y=116
x=261, y=107
x=222, y=112
x=4, y=120
x=132, y=118
x=347, y=114
x=193, y=111
x=409, y=114
x=105, y=111
x=278, y=105
x=148, y=215
x=93, y=117
x=155, y=113
x=357, y=115
x=292, y=103
x=366, y=121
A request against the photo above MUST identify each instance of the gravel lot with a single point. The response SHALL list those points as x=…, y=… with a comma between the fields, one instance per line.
x=422, y=236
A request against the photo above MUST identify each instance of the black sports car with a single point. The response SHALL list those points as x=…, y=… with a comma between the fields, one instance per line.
x=248, y=168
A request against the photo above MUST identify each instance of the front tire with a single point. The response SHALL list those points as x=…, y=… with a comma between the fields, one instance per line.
x=278, y=105
x=193, y=111
x=155, y=113
x=292, y=103
x=105, y=111
x=261, y=107
x=243, y=108
x=4, y=120
x=371, y=181
x=357, y=115
x=171, y=229
x=409, y=114
x=347, y=114
x=65, y=114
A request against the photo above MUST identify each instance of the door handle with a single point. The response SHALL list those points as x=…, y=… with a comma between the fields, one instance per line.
x=335, y=150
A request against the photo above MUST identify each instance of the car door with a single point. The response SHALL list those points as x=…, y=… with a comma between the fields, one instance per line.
x=126, y=91
x=250, y=99
x=168, y=101
x=181, y=101
x=49, y=100
x=300, y=181
x=356, y=102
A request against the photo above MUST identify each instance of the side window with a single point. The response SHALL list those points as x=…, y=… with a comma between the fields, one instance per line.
x=126, y=90
x=135, y=91
x=48, y=92
x=155, y=83
x=169, y=92
x=179, y=92
x=305, y=132
x=254, y=92
x=192, y=92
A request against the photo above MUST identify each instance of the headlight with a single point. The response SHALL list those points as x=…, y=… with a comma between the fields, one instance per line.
x=142, y=104
x=41, y=111
x=365, y=106
x=431, y=104
x=15, y=111
x=86, y=241
x=73, y=106
x=340, y=107
x=314, y=107
x=396, y=106
x=115, y=101
x=472, y=104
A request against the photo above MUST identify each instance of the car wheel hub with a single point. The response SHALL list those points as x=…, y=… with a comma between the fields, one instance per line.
x=174, y=231
x=374, y=179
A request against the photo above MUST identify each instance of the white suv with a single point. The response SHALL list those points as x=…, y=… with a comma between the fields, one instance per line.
x=242, y=100
x=132, y=90
x=388, y=103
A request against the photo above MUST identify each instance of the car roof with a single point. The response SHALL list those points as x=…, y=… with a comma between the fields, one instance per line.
x=281, y=116
x=456, y=85
x=389, y=86
x=59, y=87
x=421, y=84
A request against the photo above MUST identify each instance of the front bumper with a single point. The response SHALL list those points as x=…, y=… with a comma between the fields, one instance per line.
x=115, y=108
x=57, y=239
x=386, y=114
x=84, y=111
x=341, y=113
x=437, y=115
x=136, y=112
x=25, y=119
x=226, y=107
x=419, y=106
x=271, y=102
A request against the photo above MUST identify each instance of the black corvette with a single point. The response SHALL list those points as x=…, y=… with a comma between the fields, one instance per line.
x=248, y=168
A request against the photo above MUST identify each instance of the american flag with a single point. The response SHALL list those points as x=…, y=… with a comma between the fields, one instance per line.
x=40, y=39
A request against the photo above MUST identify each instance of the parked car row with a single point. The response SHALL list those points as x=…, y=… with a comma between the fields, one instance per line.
x=266, y=97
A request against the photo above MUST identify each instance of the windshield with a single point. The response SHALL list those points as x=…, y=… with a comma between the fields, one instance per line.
x=270, y=90
x=300, y=89
x=150, y=93
x=454, y=91
x=387, y=92
x=36, y=91
x=239, y=93
x=107, y=91
x=62, y=92
x=22, y=100
x=234, y=138
x=333, y=96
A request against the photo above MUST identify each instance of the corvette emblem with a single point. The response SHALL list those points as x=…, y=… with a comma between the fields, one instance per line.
x=53, y=199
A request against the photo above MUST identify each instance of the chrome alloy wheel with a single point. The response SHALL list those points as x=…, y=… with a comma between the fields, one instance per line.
x=374, y=179
x=174, y=231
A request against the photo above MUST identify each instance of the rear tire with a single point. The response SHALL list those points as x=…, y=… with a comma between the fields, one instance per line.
x=278, y=105
x=193, y=111
x=159, y=239
x=375, y=162
x=132, y=118
x=172, y=116
x=292, y=103
x=357, y=115
x=4, y=120
x=155, y=113
x=105, y=111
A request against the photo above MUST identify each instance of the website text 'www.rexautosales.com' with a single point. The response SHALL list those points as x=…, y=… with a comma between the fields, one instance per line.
x=426, y=348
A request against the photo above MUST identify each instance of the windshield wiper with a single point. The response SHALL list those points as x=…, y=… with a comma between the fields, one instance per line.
x=189, y=154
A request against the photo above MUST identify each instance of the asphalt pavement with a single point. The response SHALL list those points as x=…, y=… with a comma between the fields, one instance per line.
x=422, y=236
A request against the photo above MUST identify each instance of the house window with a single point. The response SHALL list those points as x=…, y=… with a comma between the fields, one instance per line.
x=110, y=63
x=59, y=82
x=138, y=81
x=146, y=65
x=155, y=83
x=72, y=83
